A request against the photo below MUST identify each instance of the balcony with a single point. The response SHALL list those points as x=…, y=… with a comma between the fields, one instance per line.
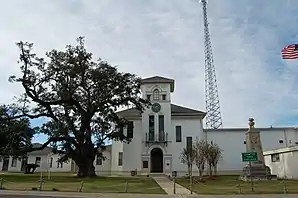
x=161, y=138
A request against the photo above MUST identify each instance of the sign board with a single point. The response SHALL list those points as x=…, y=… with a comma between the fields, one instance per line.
x=250, y=157
x=174, y=174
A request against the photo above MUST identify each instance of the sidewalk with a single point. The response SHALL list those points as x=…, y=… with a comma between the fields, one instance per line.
x=168, y=186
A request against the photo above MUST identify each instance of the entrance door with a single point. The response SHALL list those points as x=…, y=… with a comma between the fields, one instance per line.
x=156, y=158
x=5, y=164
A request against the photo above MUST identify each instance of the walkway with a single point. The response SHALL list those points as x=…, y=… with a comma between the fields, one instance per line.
x=168, y=186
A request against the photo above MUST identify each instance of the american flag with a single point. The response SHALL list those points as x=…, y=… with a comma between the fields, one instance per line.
x=290, y=52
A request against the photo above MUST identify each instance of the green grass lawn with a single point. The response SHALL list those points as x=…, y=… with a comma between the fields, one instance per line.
x=69, y=183
x=231, y=185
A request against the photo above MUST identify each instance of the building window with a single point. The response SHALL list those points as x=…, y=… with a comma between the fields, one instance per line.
x=148, y=97
x=275, y=157
x=189, y=143
x=14, y=162
x=161, y=126
x=151, y=128
x=164, y=96
x=120, y=159
x=178, y=134
x=37, y=160
x=156, y=94
x=59, y=164
x=145, y=164
x=130, y=130
x=99, y=159
x=51, y=162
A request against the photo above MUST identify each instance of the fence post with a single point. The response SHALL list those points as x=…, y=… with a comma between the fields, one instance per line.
x=174, y=183
x=126, y=186
x=40, y=182
x=1, y=184
x=285, y=189
x=81, y=186
x=190, y=183
x=239, y=186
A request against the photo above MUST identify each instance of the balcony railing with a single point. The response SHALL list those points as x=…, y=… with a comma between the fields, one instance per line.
x=152, y=138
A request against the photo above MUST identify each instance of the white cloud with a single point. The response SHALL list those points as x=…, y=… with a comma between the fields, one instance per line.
x=161, y=37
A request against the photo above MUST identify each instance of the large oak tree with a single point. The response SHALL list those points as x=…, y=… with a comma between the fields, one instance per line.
x=79, y=97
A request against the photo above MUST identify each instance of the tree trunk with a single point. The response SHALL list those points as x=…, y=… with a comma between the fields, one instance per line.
x=201, y=170
x=84, y=159
x=86, y=169
x=215, y=169
x=210, y=170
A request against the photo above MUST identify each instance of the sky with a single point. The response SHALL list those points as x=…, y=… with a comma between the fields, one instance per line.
x=165, y=38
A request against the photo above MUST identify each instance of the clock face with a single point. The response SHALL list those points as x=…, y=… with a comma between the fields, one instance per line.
x=156, y=107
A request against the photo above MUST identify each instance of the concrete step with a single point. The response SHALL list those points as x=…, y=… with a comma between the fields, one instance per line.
x=157, y=175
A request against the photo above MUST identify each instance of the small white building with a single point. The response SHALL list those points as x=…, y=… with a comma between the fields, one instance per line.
x=283, y=162
x=48, y=162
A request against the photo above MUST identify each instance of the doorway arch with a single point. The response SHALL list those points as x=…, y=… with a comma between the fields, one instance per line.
x=156, y=160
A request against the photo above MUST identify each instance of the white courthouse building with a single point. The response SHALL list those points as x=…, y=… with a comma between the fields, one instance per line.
x=159, y=134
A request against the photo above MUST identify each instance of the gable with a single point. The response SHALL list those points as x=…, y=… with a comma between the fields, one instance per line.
x=45, y=151
x=158, y=80
x=176, y=110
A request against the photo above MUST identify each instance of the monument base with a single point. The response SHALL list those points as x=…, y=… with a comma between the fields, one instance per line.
x=257, y=172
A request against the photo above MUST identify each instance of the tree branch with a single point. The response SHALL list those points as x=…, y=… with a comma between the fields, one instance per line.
x=29, y=116
x=50, y=140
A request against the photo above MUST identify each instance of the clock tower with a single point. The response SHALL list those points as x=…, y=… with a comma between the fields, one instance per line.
x=156, y=120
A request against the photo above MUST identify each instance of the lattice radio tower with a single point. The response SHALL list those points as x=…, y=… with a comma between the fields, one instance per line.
x=213, y=117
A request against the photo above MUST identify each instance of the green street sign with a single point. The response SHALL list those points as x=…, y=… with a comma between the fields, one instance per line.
x=250, y=157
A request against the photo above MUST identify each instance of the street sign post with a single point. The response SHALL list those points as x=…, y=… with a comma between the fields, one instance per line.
x=250, y=157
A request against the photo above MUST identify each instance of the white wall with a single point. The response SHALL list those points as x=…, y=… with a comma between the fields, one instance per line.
x=286, y=167
x=133, y=150
x=66, y=166
x=43, y=163
x=117, y=147
x=17, y=168
x=105, y=167
x=232, y=144
x=189, y=127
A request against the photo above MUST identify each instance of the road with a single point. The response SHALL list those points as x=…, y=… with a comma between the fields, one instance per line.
x=22, y=196
x=36, y=194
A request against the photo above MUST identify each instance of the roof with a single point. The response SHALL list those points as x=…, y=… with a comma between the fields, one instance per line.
x=281, y=150
x=246, y=128
x=159, y=79
x=176, y=110
x=45, y=151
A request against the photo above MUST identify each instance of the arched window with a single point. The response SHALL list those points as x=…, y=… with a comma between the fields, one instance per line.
x=155, y=94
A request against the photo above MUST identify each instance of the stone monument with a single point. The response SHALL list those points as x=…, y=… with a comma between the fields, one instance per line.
x=256, y=170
